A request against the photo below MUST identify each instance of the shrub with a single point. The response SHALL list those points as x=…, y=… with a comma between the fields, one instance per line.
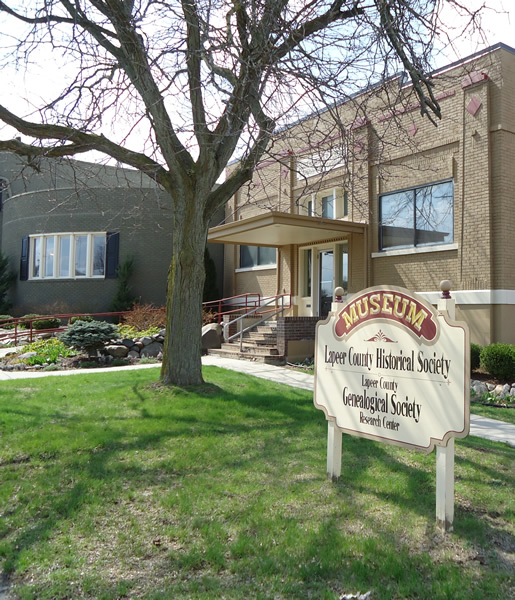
x=124, y=299
x=7, y=278
x=87, y=318
x=48, y=351
x=26, y=325
x=130, y=332
x=208, y=316
x=120, y=362
x=475, y=352
x=148, y=360
x=89, y=336
x=88, y=364
x=6, y=325
x=143, y=316
x=499, y=360
x=48, y=323
x=210, y=291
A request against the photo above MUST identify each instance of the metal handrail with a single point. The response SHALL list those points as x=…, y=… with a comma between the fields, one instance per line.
x=19, y=333
x=250, y=299
x=239, y=319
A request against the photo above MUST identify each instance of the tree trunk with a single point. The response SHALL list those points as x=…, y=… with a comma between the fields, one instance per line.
x=182, y=353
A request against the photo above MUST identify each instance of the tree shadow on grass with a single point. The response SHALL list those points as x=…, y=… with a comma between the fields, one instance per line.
x=233, y=429
x=69, y=477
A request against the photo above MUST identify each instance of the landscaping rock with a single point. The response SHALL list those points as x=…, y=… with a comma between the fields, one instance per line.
x=211, y=336
x=117, y=350
x=152, y=350
x=501, y=391
x=479, y=388
x=28, y=355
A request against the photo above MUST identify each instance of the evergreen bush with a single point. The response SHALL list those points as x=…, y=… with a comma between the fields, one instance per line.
x=210, y=291
x=499, y=360
x=124, y=299
x=475, y=352
x=26, y=325
x=5, y=325
x=87, y=318
x=48, y=323
x=89, y=336
x=7, y=278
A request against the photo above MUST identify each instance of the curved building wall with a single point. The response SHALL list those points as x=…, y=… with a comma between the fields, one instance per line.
x=142, y=217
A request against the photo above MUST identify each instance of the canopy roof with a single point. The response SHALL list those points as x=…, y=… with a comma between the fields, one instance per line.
x=276, y=229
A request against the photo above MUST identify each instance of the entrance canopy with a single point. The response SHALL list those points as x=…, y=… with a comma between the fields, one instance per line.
x=276, y=229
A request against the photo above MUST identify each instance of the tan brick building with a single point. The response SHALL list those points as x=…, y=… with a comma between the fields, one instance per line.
x=379, y=195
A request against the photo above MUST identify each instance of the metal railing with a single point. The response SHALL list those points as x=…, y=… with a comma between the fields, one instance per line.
x=232, y=305
x=22, y=328
x=268, y=314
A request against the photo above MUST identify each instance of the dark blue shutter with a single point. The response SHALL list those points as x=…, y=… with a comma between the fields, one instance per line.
x=24, y=259
x=112, y=255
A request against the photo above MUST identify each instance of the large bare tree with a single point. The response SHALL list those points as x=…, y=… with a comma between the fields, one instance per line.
x=205, y=80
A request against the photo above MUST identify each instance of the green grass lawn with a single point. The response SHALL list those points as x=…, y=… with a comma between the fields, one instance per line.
x=112, y=487
x=501, y=413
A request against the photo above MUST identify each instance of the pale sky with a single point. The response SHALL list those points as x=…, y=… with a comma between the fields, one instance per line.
x=498, y=25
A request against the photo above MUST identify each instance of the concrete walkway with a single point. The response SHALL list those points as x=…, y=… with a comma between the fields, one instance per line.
x=490, y=429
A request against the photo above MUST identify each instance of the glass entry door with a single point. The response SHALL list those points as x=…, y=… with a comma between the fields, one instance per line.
x=326, y=282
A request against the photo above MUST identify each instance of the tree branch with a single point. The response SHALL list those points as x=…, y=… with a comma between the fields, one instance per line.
x=133, y=58
x=49, y=18
x=333, y=15
x=75, y=142
x=419, y=80
x=193, y=62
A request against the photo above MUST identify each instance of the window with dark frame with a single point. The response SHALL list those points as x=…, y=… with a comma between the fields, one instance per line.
x=418, y=216
x=257, y=256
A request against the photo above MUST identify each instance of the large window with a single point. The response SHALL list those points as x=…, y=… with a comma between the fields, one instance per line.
x=65, y=255
x=257, y=256
x=418, y=216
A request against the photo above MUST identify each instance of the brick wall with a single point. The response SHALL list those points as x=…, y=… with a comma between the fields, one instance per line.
x=294, y=329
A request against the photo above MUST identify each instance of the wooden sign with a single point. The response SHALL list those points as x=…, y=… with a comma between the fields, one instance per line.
x=391, y=368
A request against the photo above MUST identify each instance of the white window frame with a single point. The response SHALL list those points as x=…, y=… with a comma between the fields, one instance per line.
x=43, y=238
x=312, y=205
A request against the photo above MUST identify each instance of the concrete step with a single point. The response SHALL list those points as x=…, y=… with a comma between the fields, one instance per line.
x=261, y=336
x=266, y=327
x=258, y=341
x=236, y=354
x=252, y=348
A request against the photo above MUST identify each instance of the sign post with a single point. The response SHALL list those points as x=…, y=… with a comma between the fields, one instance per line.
x=445, y=454
x=391, y=368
